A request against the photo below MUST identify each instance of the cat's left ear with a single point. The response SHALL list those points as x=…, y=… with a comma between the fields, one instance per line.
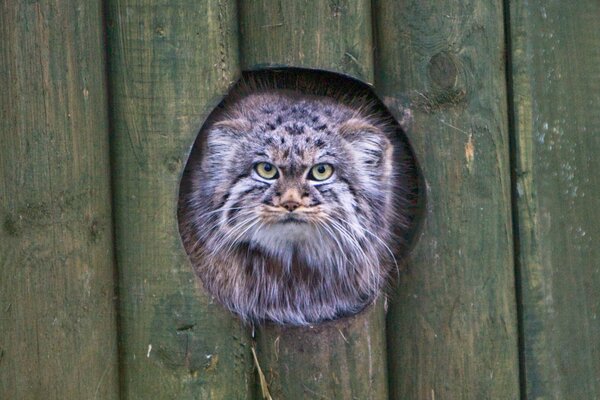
x=371, y=145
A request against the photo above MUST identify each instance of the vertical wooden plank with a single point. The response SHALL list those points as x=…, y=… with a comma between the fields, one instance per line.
x=333, y=35
x=452, y=331
x=556, y=97
x=170, y=63
x=57, y=319
x=344, y=359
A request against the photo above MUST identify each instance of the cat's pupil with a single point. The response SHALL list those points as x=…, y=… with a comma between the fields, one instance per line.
x=268, y=167
x=321, y=169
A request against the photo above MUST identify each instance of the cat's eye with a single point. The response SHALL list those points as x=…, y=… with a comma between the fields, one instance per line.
x=320, y=172
x=266, y=170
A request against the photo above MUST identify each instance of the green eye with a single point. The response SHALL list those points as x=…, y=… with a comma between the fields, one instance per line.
x=266, y=170
x=320, y=172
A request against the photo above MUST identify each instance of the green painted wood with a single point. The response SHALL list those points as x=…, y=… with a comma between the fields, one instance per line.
x=452, y=329
x=344, y=359
x=170, y=64
x=57, y=315
x=334, y=35
x=556, y=94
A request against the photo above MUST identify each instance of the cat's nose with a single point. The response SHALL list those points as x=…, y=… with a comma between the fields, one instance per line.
x=290, y=205
x=290, y=200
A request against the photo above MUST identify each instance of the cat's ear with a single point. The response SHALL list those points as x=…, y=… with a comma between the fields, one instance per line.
x=369, y=143
x=232, y=126
x=224, y=134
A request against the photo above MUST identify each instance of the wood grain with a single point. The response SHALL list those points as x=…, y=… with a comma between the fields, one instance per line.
x=343, y=359
x=335, y=35
x=57, y=317
x=170, y=64
x=556, y=97
x=452, y=326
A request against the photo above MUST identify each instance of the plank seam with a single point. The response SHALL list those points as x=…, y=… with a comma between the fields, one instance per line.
x=514, y=199
x=111, y=188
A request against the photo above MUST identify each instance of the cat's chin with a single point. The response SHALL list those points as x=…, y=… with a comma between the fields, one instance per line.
x=285, y=233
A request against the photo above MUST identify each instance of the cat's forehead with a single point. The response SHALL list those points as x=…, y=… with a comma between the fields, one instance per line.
x=293, y=130
x=286, y=146
x=292, y=110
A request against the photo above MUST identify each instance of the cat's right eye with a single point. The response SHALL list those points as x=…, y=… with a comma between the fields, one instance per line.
x=266, y=170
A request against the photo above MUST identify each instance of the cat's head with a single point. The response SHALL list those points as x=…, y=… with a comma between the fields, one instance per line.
x=284, y=174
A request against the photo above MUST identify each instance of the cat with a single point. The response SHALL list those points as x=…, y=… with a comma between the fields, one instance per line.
x=295, y=198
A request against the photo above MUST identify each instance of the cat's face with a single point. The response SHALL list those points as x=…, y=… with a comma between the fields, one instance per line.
x=286, y=211
x=286, y=176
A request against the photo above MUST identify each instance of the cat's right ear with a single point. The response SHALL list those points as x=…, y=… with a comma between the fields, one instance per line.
x=223, y=134
x=232, y=126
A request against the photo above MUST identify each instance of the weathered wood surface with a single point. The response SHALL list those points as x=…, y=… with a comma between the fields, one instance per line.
x=334, y=35
x=57, y=318
x=342, y=359
x=556, y=93
x=170, y=64
x=452, y=327
x=335, y=360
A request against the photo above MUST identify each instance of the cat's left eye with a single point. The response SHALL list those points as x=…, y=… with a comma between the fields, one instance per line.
x=320, y=172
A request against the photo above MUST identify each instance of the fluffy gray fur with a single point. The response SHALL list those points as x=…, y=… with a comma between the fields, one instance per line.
x=328, y=257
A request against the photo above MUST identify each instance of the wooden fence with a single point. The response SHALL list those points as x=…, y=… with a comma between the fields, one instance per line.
x=500, y=297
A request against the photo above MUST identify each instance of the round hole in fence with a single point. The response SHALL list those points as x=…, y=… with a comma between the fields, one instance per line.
x=298, y=198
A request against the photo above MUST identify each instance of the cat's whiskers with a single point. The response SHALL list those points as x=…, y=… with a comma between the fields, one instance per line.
x=206, y=232
x=388, y=250
x=373, y=276
x=255, y=220
x=334, y=237
x=226, y=236
x=348, y=234
x=225, y=209
x=356, y=246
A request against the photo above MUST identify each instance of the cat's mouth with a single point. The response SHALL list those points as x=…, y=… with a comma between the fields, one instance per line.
x=276, y=216
x=291, y=219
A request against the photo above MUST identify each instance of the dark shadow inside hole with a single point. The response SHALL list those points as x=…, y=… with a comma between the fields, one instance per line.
x=294, y=119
